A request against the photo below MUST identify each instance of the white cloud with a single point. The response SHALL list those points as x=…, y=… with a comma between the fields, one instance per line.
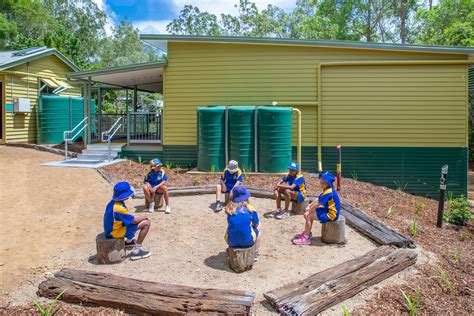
x=212, y=6
x=112, y=18
x=151, y=26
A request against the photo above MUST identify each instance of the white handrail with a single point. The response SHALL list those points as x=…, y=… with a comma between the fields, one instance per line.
x=110, y=134
x=68, y=133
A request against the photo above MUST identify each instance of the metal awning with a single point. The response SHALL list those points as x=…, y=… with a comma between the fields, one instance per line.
x=146, y=77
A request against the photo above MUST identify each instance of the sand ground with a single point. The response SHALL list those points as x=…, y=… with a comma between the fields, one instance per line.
x=52, y=215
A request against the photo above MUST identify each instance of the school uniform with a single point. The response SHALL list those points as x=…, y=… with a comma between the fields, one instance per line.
x=118, y=221
x=242, y=231
x=155, y=178
x=329, y=199
x=230, y=179
x=300, y=185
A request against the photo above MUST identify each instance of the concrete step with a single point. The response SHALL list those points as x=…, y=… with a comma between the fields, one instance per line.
x=83, y=161
x=102, y=156
x=100, y=152
x=105, y=147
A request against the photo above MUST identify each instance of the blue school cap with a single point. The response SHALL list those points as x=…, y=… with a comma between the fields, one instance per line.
x=294, y=166
x=240, y=194
x=156, y=162
x=327, y=177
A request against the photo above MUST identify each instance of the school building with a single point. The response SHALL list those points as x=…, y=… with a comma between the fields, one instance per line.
x=400, y=112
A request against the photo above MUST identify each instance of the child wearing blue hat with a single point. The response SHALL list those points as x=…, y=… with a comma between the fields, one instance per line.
x=326, y=208
x=291, y=187
x=154, y=182
x=231, y=178
x=119, y=223
x=244, y=229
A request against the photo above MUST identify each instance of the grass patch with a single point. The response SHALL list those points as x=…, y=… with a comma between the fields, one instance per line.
x=412, y=304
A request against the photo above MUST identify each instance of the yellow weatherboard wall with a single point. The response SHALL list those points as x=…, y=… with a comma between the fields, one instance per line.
x=21, y=127
x=200, y=74
x=394, y=105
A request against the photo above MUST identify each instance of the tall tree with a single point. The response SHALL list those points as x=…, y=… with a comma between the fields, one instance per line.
x=192, y=21
x=449, y=23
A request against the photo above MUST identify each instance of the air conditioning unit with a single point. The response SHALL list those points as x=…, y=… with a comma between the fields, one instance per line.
x=21, y=105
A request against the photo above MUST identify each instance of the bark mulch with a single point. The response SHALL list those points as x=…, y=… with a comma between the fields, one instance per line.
x=446, y=284
x=60, y=309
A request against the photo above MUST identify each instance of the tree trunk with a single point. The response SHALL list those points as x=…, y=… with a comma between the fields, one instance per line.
x=241, y=259
x=109, y=250
x=298, y=208
x=334, y=232
x=402, y=21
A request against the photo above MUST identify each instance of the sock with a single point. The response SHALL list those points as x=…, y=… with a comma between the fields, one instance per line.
x=137, y=248
x=306, y=236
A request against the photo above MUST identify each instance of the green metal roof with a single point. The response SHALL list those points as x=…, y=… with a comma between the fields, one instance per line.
x=114, y=70
x=9, y=60
x=159, y=40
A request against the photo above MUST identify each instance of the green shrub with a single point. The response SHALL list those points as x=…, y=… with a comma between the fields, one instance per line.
x=413, y=227
x=413, y=304
x=460, y=212
x=48, y=311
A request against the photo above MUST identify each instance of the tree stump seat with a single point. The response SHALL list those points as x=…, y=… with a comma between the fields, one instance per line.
x=158, y=201
x=298, y=208
x=109, y=250
x=334, y=232
x=241, y=259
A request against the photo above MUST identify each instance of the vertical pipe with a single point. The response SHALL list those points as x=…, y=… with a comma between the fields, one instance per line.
x=442, y=190
x=128, y=128
x=298, y=148
x=320, y=100
x=99, y=109
x=255, y=138
x=226, y=134
x=339, y=167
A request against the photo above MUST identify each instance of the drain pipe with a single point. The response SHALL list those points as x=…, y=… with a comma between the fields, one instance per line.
x=298, y=148
x=226, y=135
x=255, y=138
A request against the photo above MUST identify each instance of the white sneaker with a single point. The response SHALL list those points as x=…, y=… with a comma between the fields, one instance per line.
x=167, y=209
x=151, y=208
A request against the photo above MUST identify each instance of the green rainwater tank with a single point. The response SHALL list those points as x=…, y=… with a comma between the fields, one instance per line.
x=241, y=136
x=211, y=138
x=274, y=138
x=58, y=114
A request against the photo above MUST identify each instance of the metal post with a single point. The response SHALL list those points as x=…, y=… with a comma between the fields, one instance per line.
x=442, y=190
x=99, y=105
x=255, y=138
x=65, y=149
x=339, y=167
x=128, y=128
x=226, y=134
x=87, y=114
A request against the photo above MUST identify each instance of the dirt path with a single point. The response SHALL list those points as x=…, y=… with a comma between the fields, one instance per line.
x=44, y=212
x=52, y=215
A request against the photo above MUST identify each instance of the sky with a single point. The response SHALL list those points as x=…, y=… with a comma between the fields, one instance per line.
x=152, y=16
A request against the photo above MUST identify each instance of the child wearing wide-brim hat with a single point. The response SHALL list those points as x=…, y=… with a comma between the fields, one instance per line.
x=119, y=223
x=244, y=228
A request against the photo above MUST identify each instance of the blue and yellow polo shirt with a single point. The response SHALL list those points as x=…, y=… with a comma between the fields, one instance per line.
x=231, y=179
x=298, y=180
x=329, y=204
x=241, y=229
x=117, y=221
x=155, y=178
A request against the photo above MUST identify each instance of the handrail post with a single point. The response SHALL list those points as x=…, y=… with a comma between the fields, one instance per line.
x=128, y=128
x=65, y=146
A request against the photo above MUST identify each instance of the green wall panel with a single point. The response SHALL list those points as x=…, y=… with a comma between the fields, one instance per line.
x=417, y=169
x=184, y=156
x=145, y=156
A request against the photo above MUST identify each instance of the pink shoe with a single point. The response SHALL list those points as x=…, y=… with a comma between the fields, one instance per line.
x=302, y=241
x=299, y=235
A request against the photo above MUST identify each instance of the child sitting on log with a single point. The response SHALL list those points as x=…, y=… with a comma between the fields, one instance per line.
x=244, y=229
x=231, y=177
x=119, y=223
x=326, y=208
x=291, y=187
x=154, y=182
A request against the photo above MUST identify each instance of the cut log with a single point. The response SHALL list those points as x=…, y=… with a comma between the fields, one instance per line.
x=298, y=208
x=109, y=250
x=135, y=296
x=373, y=228
x=332, y=286
x=241, y=259
x=334, y=232
x=158, y=201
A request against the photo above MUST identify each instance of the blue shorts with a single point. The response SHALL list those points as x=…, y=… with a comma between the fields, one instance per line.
x=300, y=198
x=228, y=187
x=131, y=230
x=323, y=216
